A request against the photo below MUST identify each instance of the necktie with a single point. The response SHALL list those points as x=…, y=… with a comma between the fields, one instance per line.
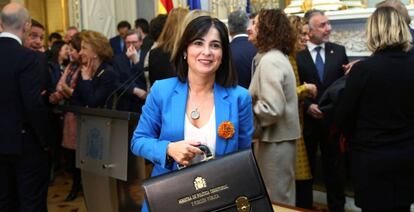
x=319, y=63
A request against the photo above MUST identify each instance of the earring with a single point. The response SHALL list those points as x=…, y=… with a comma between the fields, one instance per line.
x=185, y=57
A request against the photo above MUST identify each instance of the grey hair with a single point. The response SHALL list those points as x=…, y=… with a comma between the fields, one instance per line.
x=237, y=22
x=16, y=20
x=310, y=13
x=133, y=32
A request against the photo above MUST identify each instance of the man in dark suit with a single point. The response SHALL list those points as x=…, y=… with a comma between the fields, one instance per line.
x=130, y=66
x=321, y=64
x=143, y=28
x=24, y=138
x=242, y=50
x=118, y=42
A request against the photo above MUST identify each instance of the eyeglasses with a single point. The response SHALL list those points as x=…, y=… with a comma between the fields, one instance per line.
x=131, y=42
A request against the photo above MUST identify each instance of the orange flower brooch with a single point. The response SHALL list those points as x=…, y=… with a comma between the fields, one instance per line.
x=226, y=130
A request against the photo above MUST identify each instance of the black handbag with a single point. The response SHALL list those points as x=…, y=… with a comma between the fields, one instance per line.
x=229, y=183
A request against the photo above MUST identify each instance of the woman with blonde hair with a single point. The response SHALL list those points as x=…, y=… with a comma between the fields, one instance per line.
x=97, y=78
x=302, y=172
x=377, y=116
x=159, y=65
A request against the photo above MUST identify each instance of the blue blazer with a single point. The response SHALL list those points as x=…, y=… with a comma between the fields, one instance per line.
x=162, y=121
x=243, y=52
x=116, y=45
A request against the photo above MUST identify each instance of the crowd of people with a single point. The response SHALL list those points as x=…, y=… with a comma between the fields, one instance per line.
x=267, y=80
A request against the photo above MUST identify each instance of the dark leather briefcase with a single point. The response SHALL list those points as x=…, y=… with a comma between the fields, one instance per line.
x=230, y=183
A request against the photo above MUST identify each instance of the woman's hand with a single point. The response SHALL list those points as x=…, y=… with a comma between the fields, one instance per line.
x=55, y=98
x=312, y=90
x=140, y=93
x=184, y=151
x=86, y=70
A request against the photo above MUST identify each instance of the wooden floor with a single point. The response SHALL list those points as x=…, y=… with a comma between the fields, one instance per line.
x=58, y=190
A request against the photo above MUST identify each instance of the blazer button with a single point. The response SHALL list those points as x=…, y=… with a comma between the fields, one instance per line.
x=23, y=131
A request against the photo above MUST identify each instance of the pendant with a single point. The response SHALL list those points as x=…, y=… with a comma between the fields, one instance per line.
x=195, y=114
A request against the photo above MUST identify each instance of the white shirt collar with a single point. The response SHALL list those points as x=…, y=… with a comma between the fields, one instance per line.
x=10, y=35
x=239, y=35
x=312, y=46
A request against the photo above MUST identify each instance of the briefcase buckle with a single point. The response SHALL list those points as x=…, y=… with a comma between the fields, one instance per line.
x=243, y=204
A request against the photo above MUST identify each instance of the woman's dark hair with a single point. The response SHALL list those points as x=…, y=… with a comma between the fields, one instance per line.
x=76, y=41
x=143, y=24
x=274, y=32
x=156, y=25
x=226, y=74
x=54, y=36
x=54, y=51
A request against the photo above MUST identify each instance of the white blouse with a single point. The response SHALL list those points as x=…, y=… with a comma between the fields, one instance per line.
x=205, y=135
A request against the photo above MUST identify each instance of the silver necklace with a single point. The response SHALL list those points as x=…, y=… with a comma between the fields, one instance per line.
x=195, y=114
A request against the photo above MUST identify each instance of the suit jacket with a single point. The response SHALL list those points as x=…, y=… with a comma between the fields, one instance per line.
x=243, y=53
x=159, y=65
x=377, y=114
x=335, y=57
x=116, y=45
x=411, y=52
x=162, y=121
x=275, y=101
x=147, y=44
x=22, y=109
x=95, y=92
x=127, y=71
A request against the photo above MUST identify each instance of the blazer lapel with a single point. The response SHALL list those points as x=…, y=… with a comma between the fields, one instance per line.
x=309, y=62
x=178, y=108
x=329, y=57
x=222, y=108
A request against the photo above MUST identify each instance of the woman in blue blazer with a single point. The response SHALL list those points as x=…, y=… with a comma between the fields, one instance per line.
x=183, y=112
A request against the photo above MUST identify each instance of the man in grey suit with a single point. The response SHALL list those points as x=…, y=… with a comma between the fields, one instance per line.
x=321, y=63
x=24, y=130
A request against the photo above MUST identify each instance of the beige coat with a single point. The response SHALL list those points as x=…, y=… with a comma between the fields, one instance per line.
x=275, y=101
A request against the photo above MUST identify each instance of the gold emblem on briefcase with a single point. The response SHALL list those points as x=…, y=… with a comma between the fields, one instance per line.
x=199, y=183
x=243, y=204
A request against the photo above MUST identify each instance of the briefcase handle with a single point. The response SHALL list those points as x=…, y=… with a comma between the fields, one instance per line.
x=206, y=151
x=207, y=155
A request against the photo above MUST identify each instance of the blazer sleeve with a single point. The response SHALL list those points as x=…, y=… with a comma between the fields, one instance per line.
x=145, y=141
x=345, y=116
x=270, y=100
x=34, y=107
x=124, y=75
x=245, y=121
x=302, y=91
x=93, y=93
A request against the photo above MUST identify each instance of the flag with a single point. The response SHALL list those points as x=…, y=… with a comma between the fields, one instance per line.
x=194, y=4
x=164, y=6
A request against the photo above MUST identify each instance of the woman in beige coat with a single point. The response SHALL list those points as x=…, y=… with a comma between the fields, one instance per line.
x=273, y=89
